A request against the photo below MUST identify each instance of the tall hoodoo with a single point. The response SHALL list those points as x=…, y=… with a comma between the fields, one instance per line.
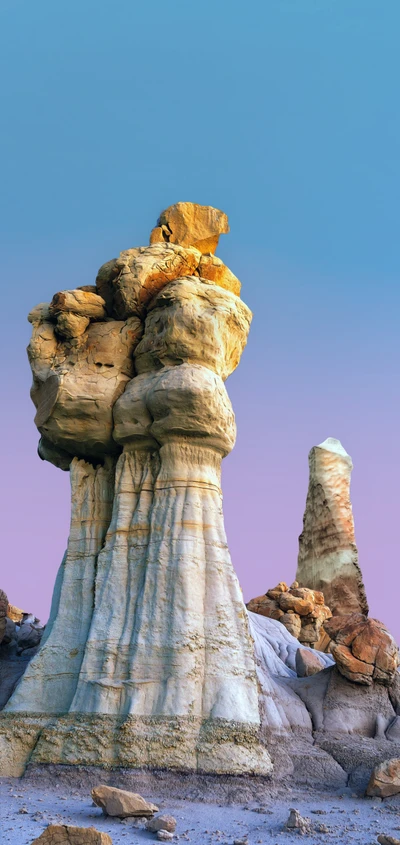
x=328, y=557
x=129, y=389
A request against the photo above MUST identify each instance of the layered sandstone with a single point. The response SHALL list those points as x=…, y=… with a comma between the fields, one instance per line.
x=328, y=557
x=130, y=397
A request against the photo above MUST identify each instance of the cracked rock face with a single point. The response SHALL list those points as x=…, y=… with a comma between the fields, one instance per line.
x=147, y=659
x=363, y=649
x=328, y=557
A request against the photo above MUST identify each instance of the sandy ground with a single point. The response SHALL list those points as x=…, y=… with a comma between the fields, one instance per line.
x=26, y=809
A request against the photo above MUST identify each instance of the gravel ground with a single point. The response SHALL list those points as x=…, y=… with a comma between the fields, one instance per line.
x=26, y=810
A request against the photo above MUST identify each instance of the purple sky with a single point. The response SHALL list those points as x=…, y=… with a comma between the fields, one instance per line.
x=291, y=126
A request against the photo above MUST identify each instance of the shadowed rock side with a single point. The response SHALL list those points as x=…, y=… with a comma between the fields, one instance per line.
x=19, y=642
x=147, y=660
x=328, y=557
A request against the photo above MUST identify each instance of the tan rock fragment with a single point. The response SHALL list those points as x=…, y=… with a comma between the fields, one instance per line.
x=292, y=623
x=328, y=557
x=69, y=326
x=387, y=840
x=287, y=601
x=385, y=779
x=66, y=834
x=276, y=592
x=363, y=649
x=265, y=607
x=80, y=302
x=121, y=803
x=15, y=613
x=213, y=269
x=190, y=224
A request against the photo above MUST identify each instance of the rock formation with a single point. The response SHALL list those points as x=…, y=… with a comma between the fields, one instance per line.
x=302, y=611
x=328, y=558
x=149, y=658
x=22, y=634
x=363, y=649
x=158, y=668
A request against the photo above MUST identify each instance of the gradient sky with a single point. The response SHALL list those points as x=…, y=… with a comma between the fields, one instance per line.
x=285, y=114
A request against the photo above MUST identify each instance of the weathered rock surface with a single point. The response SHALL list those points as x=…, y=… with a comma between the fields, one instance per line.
x=385, y=779
x=189, y=224
x=328, y=557
x=160, y=670
x=302, y=611
x=387, y=840
x=123, y=804
x=363, y=649
x=162, y=823
x=65, y=834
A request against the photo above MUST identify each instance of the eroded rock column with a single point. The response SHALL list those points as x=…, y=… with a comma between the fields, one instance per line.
x=328, y=557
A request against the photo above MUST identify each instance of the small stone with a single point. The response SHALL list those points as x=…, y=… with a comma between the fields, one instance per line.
x=387, y=840
x=164, y=835
x=162, y=823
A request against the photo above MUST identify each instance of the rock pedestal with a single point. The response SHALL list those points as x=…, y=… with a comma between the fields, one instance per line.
x=147, y=660
x=328, y=557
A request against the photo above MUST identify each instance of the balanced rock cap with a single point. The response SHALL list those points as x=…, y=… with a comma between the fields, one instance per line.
x=190, y=224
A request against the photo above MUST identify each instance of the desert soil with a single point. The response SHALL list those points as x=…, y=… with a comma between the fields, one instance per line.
x=27, y=808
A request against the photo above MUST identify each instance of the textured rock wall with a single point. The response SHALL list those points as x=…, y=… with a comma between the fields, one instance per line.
x=328, y=557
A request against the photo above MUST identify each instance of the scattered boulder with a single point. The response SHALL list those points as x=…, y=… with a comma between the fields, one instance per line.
x=121, y=803
x=385, y=779
x=162, y=823
x=66, y=834
x=302, y=612
x=190, y=224
x=363, y=649
x=298, y=822
x=307, y=663
x=387, y=840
